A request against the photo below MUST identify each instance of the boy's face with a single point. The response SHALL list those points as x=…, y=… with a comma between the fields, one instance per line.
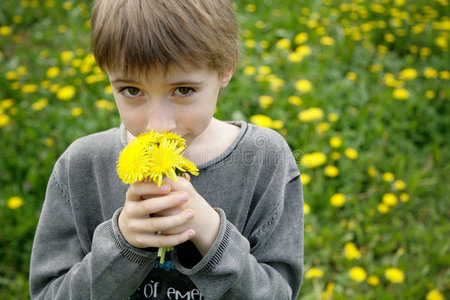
x=182, y=101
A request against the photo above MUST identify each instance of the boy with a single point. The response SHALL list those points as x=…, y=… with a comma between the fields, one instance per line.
x=237, y=228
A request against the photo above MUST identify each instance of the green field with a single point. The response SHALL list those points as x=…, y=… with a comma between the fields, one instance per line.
x=360, y=90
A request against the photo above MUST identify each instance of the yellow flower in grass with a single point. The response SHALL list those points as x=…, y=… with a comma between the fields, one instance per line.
x=40, y=104
x=435, y=295
x=373, y=280
x=313, y=160
x=306, y=208
x=351, y=153
x=383, y=208
x=400, y=94
x=66, y=93
x=331, y=171
x=303, y=85
x=15, y=202
x=351, y=251
x=310, y=115
x=337, y=200
x=388, y=177
x=389, y=199
x=305, y=178
x=314, y=273
x=358, y=274
x=394, y=275
x=4, y=120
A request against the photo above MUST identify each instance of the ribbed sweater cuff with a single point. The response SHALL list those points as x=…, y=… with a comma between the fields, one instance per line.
x=212, y=258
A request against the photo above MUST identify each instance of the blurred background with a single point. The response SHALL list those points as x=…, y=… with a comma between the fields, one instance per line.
x=359, y=89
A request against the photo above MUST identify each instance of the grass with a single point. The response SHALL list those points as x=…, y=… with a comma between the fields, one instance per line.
x=376, y=73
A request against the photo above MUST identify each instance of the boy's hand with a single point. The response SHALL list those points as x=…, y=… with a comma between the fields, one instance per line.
x=140, y=229
x=206, y=221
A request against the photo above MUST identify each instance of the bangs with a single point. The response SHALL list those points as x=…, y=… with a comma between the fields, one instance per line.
x=138, y=36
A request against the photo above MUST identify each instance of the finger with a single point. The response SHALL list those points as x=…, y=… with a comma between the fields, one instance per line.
x=138, y=190
x=187, y=176
x=163, y=203
x=161, y=224
x=156, y=240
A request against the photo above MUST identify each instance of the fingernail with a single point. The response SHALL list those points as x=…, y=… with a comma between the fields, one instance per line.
x=191, y=233
x=182, y=197
x=189, y=214
x=164, y=188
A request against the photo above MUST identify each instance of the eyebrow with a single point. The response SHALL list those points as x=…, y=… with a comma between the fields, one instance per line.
x=175, y=83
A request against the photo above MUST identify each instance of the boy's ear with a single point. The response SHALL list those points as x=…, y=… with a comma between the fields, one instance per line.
x=227, y=77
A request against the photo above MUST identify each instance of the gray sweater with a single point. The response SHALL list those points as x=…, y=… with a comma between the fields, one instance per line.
x=79, y=253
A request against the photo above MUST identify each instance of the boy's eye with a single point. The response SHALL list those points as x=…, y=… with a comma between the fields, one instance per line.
x=131, y=91
x=183, y=91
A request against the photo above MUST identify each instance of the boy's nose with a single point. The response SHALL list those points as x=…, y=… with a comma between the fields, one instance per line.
x=160, y=119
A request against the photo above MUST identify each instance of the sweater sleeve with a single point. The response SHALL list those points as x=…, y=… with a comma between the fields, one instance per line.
x=63, y=268
x=266, y=265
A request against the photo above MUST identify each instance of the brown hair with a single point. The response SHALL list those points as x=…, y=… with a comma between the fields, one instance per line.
x=137, y=35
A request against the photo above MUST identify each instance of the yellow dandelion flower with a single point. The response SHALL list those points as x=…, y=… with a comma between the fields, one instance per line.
x=264, y=70
x=4, y=120
x=430, y=94
x=303, y=85
x=335, y=142
x=295, y=57
x=295, y=100
x=434, y=295
x=404, y=197
x=351, y=76
x=331, y=171
x=351, y=251
x=164, y=157
x=314, y=273
x=337, y=200
x=11, y=75
x=373, y=280
x=430, y=73
x=327, y=41
x=389, y=199
x=15, y=202
x=249, y=70
x=311, y=114
x=284, y=44
x=40, y=104
x=351, y=153
x=265, y=101
x=305, y=178
x=394, y=275
x=388, y=177
x=5, y=30
x=153, y=155
x=250, y=8
x=133, y=163
x=66, y=93
x=262, y=120
x=52, y=72
x=401, y=94
x=383, y=208
x=399, y=185
x=358, y=274
x=408, y=74
x=333, y=117
x=313, y=160
x=306, y=208
x=77, y=111
x=30, y=88
x=104, y=104
x=335, y=155
x=304, y=50
x=301, y=37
